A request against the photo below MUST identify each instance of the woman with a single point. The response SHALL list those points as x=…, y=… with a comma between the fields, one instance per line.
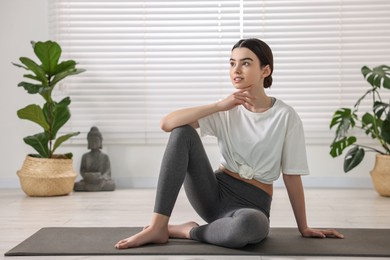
x=259, y=137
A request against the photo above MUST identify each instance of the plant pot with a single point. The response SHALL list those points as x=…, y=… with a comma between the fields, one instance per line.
x=42, y=177
x=380, y=175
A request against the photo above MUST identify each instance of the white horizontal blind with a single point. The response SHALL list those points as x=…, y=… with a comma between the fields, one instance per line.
x=143, y=60
x=147, y=58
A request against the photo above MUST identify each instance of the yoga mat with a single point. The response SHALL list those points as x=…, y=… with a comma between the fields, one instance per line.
x=281, y=242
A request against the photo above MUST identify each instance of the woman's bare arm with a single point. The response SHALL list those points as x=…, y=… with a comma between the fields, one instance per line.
x=296, y=194
x=190, y=116
x=187, y=116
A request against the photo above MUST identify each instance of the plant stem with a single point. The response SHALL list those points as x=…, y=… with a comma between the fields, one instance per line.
x=50, y=117
x=386, y=148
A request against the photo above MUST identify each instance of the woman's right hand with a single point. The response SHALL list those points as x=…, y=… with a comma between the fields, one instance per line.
x=239, y=97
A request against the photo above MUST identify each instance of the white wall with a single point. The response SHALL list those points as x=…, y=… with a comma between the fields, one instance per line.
x=20, y=22
x=132, y=166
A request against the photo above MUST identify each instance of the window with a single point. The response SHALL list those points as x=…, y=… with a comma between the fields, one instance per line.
x=147, y=58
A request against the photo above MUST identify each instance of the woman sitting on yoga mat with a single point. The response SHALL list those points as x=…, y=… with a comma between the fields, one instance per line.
x=259, y=137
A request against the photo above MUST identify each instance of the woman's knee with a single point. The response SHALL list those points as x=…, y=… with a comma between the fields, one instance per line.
x=185, y=133
x=243, y=227
x=184, y=130
x=252, y=225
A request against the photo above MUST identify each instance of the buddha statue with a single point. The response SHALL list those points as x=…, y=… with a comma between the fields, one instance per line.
x=95, y=166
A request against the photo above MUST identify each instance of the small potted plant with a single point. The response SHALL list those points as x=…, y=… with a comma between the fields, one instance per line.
x=374, y=123
x=47, y=173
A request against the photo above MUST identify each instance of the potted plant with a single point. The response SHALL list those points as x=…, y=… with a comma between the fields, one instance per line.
x=374, y=123
x=47, y=173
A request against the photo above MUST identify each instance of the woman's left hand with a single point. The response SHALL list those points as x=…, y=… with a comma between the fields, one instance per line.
x=321, y=233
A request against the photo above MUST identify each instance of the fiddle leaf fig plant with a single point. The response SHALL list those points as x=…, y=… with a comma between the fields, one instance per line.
x=375, y=123
x=52, y=115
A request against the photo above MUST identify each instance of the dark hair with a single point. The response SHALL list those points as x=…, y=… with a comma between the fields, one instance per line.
x=262, y=51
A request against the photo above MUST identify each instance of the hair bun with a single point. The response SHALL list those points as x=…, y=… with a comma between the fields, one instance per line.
x=268, y=82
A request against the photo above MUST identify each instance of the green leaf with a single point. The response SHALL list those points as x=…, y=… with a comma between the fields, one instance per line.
x=62, y=139
x=386, y=82
x=65, y=66
x=49, y=54
x=36, y=69
x=65, y=101
x=371, y=124
x=385, y=130
x=62, y=116
x=370, y=78
x=383, y=74
x=68, y=155
x=380, y=108
x=344, y=118
x=60, y=76
x=30, y=76
x=30, y=88
x=35, y=114
x=40, y=142
x=353, y=158
x=338, y=147
x=20, y=66
x=378, y=76
x=365, y=71
x=57, y=114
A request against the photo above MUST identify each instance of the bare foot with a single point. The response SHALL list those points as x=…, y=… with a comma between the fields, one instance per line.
x=182, y=230
x=147, y=236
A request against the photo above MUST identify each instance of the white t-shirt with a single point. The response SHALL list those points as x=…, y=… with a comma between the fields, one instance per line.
x=259, y=145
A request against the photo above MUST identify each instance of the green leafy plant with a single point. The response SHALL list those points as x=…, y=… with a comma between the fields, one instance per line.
x=53, y=115
x=375, y=123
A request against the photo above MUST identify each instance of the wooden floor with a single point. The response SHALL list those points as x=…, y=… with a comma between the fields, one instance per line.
x=21, y=216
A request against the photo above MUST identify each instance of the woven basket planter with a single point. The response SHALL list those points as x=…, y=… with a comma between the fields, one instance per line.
x=42, y=177
x=380, y=175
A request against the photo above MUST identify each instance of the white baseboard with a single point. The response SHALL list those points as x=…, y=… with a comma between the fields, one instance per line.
x=308, y=182
x=339, y=182
x=137, y=183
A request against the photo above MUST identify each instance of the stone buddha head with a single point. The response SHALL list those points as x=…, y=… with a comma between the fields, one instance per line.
x=95, y=139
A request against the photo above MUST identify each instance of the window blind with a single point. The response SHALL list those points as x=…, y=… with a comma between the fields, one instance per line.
x=147, y=58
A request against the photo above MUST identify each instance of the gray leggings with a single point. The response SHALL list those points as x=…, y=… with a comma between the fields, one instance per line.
x=237, y=213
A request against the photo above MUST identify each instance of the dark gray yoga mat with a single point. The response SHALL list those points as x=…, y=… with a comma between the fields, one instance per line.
x=281, y=241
